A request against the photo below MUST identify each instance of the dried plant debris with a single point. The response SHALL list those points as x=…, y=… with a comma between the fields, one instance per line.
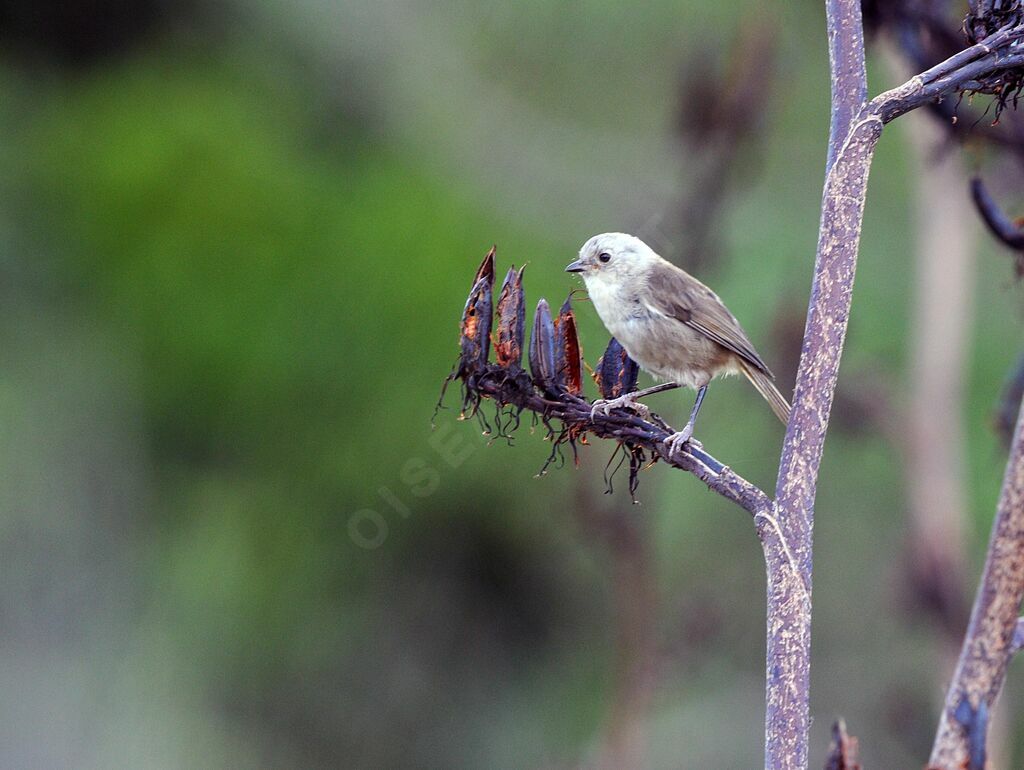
x=568, y=353
x=542, y=349
x=566, y=435
x=486, y=269
x=616, y=372
x=566, y=380
x=929, y=32
x=508, y=350
x=508, y=346
x=984, y=19
x=474, y=337
x=637, y=459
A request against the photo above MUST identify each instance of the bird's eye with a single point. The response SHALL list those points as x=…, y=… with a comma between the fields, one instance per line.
x=604, y=256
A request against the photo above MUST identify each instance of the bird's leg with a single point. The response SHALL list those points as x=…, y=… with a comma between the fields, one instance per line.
x=629, y=400
x=676, y=440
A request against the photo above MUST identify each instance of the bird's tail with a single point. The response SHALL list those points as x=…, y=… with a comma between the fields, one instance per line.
x=767, y=388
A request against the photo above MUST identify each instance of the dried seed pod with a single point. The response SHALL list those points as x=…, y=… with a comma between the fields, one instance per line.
x=476, y=329
x=616, y=371
x=542, y=348
x=486, y=269
x=568, y=355
x=508, y=347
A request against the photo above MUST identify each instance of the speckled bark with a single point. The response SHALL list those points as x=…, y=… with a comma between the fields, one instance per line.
x=989, y=643
x=786, y=533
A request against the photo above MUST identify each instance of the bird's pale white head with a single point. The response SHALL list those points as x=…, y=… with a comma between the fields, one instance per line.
x=612, y=258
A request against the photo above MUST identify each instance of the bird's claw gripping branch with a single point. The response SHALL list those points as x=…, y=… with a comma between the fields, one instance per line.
x=553, y=389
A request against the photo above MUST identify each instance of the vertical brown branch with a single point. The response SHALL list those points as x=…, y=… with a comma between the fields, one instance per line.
x=988, y=644
x=848, y=73
x=786, y=534
x=849, y=156
x=787, y=537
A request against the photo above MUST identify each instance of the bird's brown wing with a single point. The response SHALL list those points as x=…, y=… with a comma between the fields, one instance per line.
x=681, y=296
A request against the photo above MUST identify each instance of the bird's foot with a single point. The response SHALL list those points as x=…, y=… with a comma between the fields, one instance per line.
x=627, y=401
x=676, y=441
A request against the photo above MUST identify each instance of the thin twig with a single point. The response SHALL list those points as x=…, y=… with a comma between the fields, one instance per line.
x=621, y=424
x=999, y=224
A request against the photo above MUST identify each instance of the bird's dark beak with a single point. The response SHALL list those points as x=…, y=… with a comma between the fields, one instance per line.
x=575, y=267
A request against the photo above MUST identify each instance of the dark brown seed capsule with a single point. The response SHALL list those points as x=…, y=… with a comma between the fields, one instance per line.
x=486, y=269
x=568, y=355
x=476, y=329
x=616, y=371
x=542, y=348
x=508, y=347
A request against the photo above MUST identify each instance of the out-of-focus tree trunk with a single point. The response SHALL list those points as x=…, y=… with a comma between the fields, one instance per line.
x=624, y=533
x=635, y=642
x=935, y=448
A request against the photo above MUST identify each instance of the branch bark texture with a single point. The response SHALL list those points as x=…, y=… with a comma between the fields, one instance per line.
x=989, y=643
x=787, y=534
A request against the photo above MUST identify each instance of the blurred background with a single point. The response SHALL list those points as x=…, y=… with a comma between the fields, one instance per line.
x=235, y=241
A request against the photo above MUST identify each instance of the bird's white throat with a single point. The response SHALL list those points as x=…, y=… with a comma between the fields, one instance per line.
x=611, y=302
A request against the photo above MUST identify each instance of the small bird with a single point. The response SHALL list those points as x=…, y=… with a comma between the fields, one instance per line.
x=670, y=323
